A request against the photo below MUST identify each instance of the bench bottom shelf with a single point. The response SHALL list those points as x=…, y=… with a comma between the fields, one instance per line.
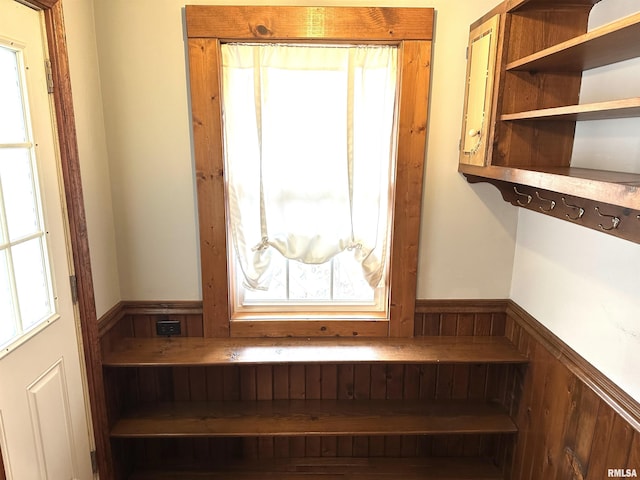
x=341, y=468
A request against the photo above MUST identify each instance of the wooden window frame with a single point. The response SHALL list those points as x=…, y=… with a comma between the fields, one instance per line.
x=409, y=28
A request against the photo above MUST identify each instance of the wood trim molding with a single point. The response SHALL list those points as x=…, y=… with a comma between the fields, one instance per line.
x=619, y=400
x=413, y=118
x=70, y=166
x=461, y=306
x=121, y=309
x=110, y=319
x=304, y=23
x=206, y=111
x=181, y=307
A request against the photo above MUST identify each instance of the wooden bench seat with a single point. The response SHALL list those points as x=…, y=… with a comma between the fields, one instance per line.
x=197, y=351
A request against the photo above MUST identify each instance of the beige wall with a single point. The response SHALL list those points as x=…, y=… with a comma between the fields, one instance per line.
x=584, y=285
x=581, y=284
x=468, y=234
x=92, y=147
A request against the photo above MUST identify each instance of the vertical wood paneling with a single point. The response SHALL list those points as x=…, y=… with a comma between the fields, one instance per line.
x=445, y=376
x=601, y=441
x=554, y=409
x=361, y=390
x=264, y=391
x=579, y=433
x=346, y=380
x=530, y=411
x=634, y=453
x=394, y=391
x=460, y=389
x=498, y=322
x=313, y=390
x=378, y=391
x=280, y=392
x=619, y=448
x=329, y=391
x=410, y=391
x=297, y=390
x=248, y=391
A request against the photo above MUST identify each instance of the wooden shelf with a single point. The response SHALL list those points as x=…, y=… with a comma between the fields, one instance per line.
x=196, y=351
x=313, y=417
x=615, y=188
x=531, y=145
x=341, y=468
x=611, y=43
x=626, y=108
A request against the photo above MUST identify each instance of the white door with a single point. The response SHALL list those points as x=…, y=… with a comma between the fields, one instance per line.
x=44, y=429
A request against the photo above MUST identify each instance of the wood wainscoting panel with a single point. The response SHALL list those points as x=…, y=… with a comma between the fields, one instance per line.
x=573, y=422
x=409, y=380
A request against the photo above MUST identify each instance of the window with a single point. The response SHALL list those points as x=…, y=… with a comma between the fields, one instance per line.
x=309, y=143
x=26, y=292
x=404, y=30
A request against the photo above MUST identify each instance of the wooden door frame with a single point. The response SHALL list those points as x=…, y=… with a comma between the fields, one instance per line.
x=70, y=166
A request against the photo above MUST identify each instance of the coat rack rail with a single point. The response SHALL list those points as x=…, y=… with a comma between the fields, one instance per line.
x=614, y=220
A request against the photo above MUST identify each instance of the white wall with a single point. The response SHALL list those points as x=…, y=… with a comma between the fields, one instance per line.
x=582, y=284
x=92, y=147
x=468, y=233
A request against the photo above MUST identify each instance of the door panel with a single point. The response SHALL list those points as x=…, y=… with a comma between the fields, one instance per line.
x=51, y=423
x=44, y=428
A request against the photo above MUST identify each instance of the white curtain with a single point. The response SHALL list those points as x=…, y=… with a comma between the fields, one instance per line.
x=309, y=150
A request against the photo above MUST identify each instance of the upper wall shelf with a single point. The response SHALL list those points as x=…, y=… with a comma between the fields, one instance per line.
x=544, y=47
x=611, y=43
x=627, y=108
x=603, y=186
